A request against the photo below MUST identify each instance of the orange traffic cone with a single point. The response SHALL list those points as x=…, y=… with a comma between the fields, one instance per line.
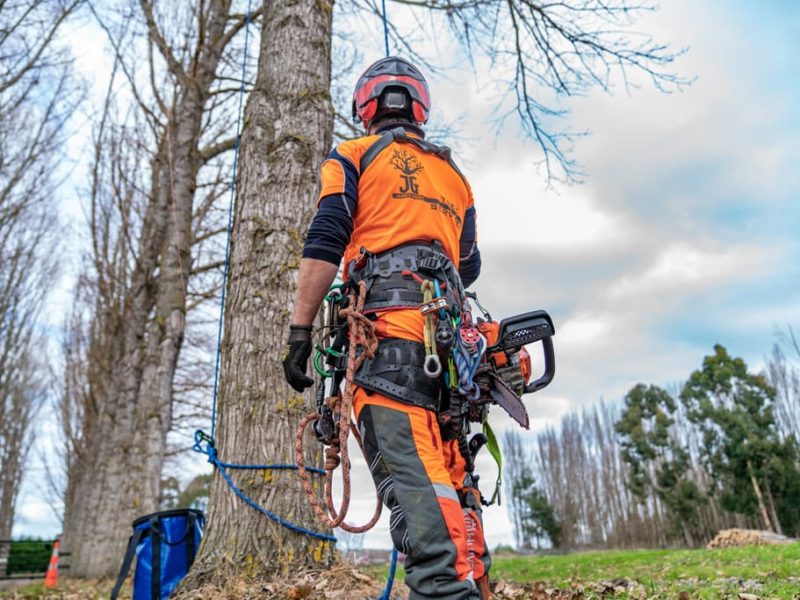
x=51, y=578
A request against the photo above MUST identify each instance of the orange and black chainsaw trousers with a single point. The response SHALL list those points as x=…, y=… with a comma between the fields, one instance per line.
x=435, y=513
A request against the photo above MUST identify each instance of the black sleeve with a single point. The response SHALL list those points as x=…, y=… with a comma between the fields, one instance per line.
x=469, y=255
x=330, y=229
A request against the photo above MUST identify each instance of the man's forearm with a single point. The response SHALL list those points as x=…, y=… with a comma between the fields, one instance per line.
x=316, y=277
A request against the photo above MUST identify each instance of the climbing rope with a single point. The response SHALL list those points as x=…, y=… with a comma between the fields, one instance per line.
x=204, y=444
x=387, y=592
x=468, y=358
x=226, y=264
x=385, y=28
x=362, y=345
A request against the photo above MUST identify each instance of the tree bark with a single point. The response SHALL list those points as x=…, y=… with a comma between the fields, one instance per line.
x=287, y=132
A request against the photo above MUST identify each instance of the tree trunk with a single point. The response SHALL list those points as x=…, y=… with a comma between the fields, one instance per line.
x=761, y=506
x=772, y=512
x=99, y=521
x=287, y=132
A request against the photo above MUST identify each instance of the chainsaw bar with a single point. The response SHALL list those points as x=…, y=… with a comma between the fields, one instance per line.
x=508, y=401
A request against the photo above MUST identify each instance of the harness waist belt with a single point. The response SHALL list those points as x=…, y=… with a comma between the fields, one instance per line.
x=388, y=288
x=396, y=372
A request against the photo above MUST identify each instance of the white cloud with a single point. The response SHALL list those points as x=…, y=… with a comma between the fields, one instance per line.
x=35, y=519
x=682, y=269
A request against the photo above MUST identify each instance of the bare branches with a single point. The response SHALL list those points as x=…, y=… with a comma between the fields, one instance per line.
x=28, y=56
x=239, y=22
x=541, y=53
x=37, y=97
x=164, y=48
x=783, y=373
x=216, y=148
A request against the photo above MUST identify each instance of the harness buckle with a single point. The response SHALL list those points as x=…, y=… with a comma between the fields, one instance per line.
x=431, y=307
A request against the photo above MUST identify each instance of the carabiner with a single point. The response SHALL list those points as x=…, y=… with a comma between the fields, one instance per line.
x=432, y=366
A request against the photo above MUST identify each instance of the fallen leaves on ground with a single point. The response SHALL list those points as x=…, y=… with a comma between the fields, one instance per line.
x=346, y=582
x=341, y=582
x=504, y=590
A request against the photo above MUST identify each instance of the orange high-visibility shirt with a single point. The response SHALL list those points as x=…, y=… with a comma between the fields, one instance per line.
x=404, y=195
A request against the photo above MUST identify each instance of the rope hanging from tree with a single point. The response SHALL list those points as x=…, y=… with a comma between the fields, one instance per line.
x=385, y=27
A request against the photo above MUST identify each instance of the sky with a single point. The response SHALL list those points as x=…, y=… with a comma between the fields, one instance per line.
x=683, y=235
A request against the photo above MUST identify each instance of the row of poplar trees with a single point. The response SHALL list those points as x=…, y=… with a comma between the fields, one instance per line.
x=135, y=366
x=667, y=467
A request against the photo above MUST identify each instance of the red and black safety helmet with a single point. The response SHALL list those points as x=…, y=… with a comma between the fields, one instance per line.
x=391, y=85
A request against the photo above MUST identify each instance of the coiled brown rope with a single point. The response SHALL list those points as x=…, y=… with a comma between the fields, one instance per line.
x=362, y=334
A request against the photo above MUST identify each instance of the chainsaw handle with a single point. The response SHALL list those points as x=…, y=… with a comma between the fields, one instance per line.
x=549, y=368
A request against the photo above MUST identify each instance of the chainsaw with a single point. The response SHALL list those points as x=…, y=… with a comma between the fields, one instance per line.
x=504, y=375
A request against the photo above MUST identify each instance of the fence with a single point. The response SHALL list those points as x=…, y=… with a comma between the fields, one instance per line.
x=26, y=559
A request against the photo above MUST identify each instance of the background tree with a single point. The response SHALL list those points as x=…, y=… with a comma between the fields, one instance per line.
x=755, y=469
x=783, y=374
x=532, y=516
x=656, y=461
x=158, y=170
x=349, y=544
x=38, y=94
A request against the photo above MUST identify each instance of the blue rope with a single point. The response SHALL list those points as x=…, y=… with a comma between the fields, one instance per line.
x=467, y=362
x=385, y=28
x=230, y=221
x=387, y=591
x=205, y=445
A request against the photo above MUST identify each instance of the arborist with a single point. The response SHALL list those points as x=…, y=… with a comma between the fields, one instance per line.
x=401, y=214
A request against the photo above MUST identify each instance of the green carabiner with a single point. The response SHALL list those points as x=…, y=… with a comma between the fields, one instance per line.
x=317, y=367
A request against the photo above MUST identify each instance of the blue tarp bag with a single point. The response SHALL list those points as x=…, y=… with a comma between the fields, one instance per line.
x=164, y=544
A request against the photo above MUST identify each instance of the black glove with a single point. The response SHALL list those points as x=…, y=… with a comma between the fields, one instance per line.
x=298, y=349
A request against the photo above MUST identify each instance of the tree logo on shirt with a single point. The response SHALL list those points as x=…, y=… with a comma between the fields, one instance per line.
x=408, y=165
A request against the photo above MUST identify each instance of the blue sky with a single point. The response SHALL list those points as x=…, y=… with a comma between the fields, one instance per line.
x=684, y=234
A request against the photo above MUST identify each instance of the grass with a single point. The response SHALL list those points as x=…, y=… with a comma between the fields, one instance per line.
x=768, y=571
x=761, y=572
x=67, y=590
x=747, y=573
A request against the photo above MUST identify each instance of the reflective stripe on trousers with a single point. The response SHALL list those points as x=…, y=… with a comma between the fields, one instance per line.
x=418, y=477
